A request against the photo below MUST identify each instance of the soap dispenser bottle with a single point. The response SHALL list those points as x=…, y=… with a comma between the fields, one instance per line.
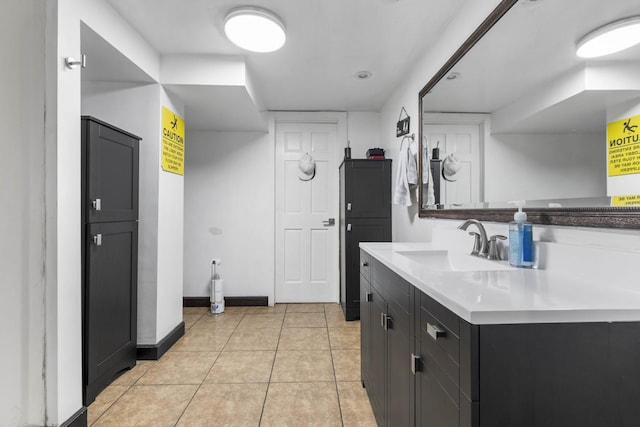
x=520, y=239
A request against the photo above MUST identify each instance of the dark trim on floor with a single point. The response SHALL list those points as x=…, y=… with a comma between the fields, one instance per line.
x=155, y=351
x=195, y=302
x=79, y=419
x=228, y=301
x=246, y=301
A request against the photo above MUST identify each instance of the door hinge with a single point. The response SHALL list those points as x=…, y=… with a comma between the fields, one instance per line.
x=415, y=363
x=97, y=239
x=97, y=204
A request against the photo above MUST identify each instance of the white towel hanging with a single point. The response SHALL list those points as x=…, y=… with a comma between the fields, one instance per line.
x=402, y=192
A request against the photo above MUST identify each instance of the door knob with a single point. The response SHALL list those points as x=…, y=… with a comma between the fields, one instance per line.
x=328, y=222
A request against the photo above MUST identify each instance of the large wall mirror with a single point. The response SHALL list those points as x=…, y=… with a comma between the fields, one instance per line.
x=515, y=114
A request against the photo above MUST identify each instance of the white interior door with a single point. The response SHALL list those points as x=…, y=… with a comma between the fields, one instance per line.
x=306, y=248
x=464, y=141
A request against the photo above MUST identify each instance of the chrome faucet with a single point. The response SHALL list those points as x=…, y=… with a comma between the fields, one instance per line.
x=481, y=248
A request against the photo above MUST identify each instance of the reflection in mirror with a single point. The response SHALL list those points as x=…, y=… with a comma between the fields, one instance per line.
x=522, y=117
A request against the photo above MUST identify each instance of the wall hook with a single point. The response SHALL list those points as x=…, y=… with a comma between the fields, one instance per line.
x=72, y=63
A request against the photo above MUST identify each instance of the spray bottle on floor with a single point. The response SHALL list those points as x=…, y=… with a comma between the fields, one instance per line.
x=216, y=298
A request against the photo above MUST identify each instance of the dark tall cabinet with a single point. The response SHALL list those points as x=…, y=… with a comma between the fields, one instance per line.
x=110, y=253
x=365, y=216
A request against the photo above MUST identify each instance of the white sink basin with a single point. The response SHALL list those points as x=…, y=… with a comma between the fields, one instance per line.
x=444, y=260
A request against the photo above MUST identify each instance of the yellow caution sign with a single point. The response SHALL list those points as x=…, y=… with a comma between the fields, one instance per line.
x=623, y=146
x=172, y=142
x=627, y=200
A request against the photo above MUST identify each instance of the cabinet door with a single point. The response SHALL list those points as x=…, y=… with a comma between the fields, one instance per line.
x=365, y=330
x=400, y=378
x=356, y=231
x=377, y=387
x=111, y=173
x=110, y=303
x=368, y=188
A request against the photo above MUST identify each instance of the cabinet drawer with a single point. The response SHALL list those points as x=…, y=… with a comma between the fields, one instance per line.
x=446, y=339
x=365, y=265
x=444, y=316
x=444, y=350
x=437, y=405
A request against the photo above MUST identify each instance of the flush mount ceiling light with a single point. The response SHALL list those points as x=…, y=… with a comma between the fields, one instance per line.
x=254, y=29
x=611, y=38
x=362, y=75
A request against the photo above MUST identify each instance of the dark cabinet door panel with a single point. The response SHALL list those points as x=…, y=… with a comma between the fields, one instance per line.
x=365, y=322
x=399, y=365
x=111, y=173
x=377, y=387
x=552, y=375
x=361, y=230
x=368, y=188
x=110, y=295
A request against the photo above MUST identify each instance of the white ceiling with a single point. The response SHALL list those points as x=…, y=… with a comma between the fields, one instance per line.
x=522, y=59
x=328, y=42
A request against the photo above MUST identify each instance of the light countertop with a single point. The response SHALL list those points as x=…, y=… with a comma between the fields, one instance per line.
x=513, y=295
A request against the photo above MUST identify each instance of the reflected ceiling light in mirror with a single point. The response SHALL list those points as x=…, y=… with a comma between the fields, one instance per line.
x=255, y=29
x=611, y=38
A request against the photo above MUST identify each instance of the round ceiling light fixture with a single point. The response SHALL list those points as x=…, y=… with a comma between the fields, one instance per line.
x=363, y=75
x=611, y=38
x=255, y=29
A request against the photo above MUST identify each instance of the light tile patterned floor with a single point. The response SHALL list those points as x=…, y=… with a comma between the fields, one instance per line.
x=287, y=365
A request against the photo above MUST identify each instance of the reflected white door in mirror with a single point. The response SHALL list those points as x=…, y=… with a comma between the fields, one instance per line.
x=457, y=170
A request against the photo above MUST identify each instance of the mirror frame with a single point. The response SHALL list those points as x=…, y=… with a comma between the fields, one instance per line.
x=602, y=217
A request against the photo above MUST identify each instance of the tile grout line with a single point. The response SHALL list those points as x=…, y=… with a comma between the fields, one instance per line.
x=207, y=374
x=335, y=378
x=275, y=354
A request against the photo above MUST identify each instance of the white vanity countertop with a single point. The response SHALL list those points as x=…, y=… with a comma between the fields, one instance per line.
x=515, y=295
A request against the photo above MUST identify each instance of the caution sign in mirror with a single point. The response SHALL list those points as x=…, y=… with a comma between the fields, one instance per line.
x=172, y=142
x=623, y=146
x=626, y=200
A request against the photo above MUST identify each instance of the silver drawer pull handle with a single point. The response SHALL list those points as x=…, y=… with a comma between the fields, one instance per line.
x=97, y=204
x=435, y=331
x=415, y=363
x=97, y=239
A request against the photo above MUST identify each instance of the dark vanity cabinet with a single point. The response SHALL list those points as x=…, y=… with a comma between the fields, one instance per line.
x=365, y=216
x=110, y=253
x=423, y=365
x=385, y=322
